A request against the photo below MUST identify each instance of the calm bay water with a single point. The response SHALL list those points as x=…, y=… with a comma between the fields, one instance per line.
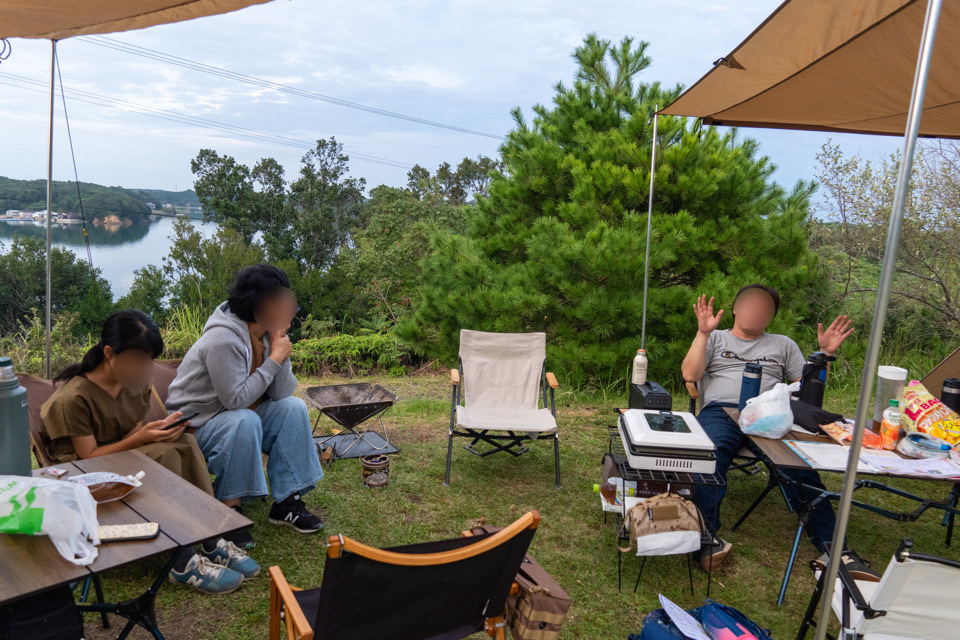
x=116, y=251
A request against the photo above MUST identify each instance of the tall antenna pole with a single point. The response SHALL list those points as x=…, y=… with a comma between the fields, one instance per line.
x=646, y=262
x=49, y=287
x=880, y=312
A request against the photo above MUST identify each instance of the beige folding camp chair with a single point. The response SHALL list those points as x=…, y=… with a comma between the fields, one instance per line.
x=916, y=599
x=504, y=375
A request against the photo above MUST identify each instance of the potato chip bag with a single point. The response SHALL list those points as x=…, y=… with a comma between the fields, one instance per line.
x=923, y=412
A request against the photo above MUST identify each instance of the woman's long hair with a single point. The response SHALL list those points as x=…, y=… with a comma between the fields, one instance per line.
x=122, y=330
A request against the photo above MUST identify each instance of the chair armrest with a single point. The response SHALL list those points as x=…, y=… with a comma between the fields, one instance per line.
x=692, y=390
x=282, y=600
x=454, y=377
x=552, y=381
x=852, y=589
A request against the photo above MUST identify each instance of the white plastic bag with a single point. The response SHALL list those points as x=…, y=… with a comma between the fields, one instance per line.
x=64, y=511
x=769, y=414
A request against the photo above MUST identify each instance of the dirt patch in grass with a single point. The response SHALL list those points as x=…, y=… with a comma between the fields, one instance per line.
x=418, y=433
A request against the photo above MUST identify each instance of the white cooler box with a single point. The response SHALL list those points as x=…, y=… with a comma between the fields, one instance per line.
x=666, y=441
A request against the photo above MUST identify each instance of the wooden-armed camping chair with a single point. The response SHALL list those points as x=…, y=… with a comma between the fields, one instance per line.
x=914, y=600
x=443, y=590
x=505, y=377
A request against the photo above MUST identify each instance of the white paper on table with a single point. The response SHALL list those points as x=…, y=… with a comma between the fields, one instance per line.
x=686, y=623
x=929, y=467
x=829, y=456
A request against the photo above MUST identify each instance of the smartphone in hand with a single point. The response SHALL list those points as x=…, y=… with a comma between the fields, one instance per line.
x=174, y=425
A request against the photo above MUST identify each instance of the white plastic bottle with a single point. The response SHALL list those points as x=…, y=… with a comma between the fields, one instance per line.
x=639, y=367
x=890, y=426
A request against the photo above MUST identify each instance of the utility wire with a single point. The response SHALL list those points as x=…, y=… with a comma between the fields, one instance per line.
x=172, y=116
x=152, y=54
x=76, y=178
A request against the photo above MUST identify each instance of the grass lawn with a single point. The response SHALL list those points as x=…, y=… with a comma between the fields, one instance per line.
x=573, y=543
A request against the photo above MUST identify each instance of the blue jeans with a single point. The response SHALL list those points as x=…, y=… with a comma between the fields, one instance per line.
x=729, y=439
x=233, y=441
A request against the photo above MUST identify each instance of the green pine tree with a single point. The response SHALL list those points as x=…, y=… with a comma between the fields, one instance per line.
x=558, y=245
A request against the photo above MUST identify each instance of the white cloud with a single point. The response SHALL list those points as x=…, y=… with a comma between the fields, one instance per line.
x=463, y=62
x=433, y=77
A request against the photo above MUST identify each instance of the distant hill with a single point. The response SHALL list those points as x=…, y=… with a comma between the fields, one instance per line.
x=160, y=197
x=99, y=201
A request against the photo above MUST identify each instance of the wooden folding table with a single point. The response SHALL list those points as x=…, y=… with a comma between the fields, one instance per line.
x=186, y=515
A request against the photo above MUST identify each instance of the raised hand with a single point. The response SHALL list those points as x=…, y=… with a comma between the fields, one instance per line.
x=280, y=346
x=833, y=336
x=706, y=321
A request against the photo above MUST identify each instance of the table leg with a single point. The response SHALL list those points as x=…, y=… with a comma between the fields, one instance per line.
x=98, y=589
x=786, y=500
x=949, y=516
x=770, y=485
x=793, y=558
x=803, y=511
x=139, y=610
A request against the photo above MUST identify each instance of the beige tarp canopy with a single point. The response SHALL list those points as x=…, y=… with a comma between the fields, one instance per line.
x=859, y=66
x=834, y=65
x=58, y=19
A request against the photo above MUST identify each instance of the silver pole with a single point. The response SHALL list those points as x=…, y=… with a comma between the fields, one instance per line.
x=880, y=312
x=646, y=262
x=53, y=60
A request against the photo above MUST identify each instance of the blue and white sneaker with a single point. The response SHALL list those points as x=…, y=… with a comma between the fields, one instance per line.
x=229, y=555
x=207, y=577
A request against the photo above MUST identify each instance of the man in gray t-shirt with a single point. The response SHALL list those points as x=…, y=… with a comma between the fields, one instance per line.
x=716, y=361
x=727, y=353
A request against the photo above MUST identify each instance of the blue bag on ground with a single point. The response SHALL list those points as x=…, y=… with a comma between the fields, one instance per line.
x=658, y=626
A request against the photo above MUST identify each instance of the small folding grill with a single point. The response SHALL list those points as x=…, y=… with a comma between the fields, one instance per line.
x=349, y=405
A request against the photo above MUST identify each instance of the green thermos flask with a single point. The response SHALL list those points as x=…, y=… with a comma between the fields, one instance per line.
x=14, y=423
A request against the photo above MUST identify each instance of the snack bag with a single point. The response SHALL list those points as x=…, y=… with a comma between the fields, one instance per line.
x=841, y=432
x=107, y=487
x=925, y=413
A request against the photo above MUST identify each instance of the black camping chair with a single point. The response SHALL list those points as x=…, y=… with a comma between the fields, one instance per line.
x=443, y=590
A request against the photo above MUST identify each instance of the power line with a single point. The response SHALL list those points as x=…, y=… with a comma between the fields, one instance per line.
x=76, y=178
x=152, y=54
x=164, y=114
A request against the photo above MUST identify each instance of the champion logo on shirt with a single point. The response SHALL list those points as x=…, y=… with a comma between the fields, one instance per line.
x=732, y=355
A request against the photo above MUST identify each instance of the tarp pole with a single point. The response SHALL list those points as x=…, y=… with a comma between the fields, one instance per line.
x=646, y=261
x=49, y=287
x=880, y=312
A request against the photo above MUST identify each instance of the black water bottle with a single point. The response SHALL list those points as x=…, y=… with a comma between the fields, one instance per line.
x=950, y=394
x=813, y=380
x=750, y=386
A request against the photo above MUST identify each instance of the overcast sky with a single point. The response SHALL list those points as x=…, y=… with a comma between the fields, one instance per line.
x=463, y=63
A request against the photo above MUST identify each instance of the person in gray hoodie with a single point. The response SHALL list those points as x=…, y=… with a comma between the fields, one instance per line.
x=238, y=377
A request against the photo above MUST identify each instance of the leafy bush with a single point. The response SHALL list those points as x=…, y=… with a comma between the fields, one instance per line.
x=77, y=287
x=27, y=346
x=350, y=355
x=183, y=328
